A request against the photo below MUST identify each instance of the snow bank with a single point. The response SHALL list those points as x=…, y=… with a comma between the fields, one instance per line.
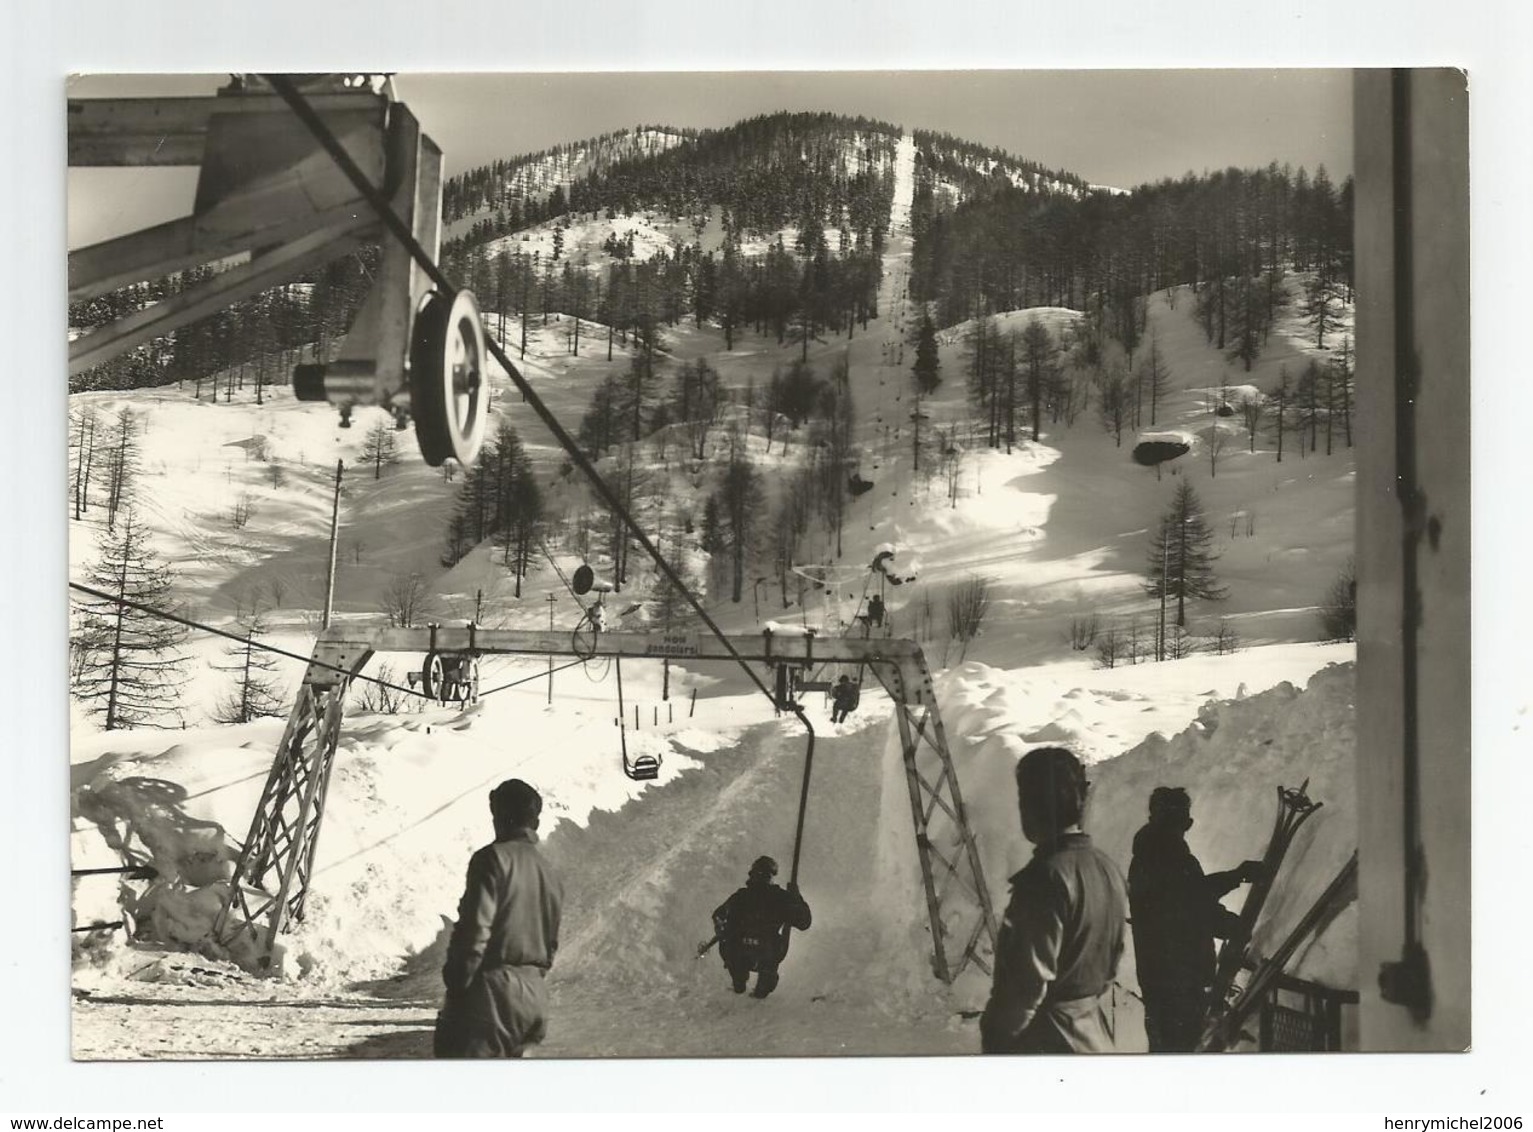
x=1231, y=758
x=405, y=808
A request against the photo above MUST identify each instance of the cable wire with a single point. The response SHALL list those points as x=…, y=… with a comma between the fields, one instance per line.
x=527, y=679
x=401, y=231
x=251, y=641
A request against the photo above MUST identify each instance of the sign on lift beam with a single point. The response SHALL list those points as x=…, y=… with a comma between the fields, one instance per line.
x=673, y=644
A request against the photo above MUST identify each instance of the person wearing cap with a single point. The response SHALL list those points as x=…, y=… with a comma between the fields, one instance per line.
x=1062, y=935
x=1177, y=917
x=505, y=939
x=753, y=926
x=843, y=699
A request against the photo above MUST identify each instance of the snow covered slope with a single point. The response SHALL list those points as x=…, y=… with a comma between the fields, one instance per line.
x=1060, y=528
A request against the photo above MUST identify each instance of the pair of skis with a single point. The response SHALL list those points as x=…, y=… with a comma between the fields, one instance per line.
x=1228, y=1010
x=1224, y=1029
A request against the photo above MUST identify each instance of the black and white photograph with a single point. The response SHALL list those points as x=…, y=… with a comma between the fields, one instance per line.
x=753, y=559
x=807, y=575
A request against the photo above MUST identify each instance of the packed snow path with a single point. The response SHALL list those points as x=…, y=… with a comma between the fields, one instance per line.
x=640, y=885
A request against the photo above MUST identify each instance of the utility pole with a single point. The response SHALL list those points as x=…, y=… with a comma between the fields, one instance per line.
x=551, y=600
x=1160, y=637
x=335, y=527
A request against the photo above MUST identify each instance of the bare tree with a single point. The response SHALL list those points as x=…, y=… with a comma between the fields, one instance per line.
x=1226, y=638
x=1111, y=644
x=1280, y=400
x=1112, y=401
x=85, y=425
x=740, y=498
x=406, y=601
x=1338, y=610
x=1251, y=410
x=1083, y=632
x=967, y=603
x=375, y=696
x=379, y=448
x=1155, y=377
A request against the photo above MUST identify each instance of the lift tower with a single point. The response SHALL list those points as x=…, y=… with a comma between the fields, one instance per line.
x=275, y=866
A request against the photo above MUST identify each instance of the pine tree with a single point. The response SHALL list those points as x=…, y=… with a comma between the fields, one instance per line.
x=255, y=688
x=927, y=368
x=1180, y=558
x=129, y=668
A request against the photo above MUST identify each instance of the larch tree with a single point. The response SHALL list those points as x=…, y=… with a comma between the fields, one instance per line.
x=122, y=463
x=1181, y=557
x=379, y=448
x=1251, y=409
x=740, y=504
x=1280, y=399
x=130, y=668
x=254, y=694
x=1038, y=366
x=85, y=425
x=1112, y=400
x=1155, y=380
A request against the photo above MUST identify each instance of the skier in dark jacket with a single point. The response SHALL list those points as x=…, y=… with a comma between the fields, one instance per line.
x=1176, y=917
x=505, y=938
x=843, y=699
x=875, y=614
x=1062, y=937
x=753, y=926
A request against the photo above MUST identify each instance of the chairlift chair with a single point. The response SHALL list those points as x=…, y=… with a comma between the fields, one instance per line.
x=640, y=768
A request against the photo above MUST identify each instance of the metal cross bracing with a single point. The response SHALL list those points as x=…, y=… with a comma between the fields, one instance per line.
x=957, y=899
x=285, y=829
x=272, y=875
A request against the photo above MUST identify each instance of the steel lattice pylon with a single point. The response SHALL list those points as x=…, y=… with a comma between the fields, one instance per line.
x=285, y=830
x=957, y=900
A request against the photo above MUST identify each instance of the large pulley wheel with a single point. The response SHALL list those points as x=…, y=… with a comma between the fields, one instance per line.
x=433, y=676
x=449, y=385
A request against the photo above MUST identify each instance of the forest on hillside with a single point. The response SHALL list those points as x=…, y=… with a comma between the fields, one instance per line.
x=984, y=244
x=992, y=232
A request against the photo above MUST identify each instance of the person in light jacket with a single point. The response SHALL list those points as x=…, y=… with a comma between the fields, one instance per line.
x=1062, y=936
x=505, y=939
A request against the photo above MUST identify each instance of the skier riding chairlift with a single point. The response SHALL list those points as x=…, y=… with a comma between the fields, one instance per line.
x=844, y=697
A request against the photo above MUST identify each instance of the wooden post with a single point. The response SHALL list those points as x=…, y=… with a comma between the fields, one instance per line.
x=693, y=708
x=335, y=526
x=551, y=600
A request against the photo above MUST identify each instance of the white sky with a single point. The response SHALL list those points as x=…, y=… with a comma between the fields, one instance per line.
x=1119, y=128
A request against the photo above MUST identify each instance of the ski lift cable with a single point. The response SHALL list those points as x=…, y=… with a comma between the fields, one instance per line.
x=543, y=545
x=535, y=676
x=251, y=641
x=401, y=231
